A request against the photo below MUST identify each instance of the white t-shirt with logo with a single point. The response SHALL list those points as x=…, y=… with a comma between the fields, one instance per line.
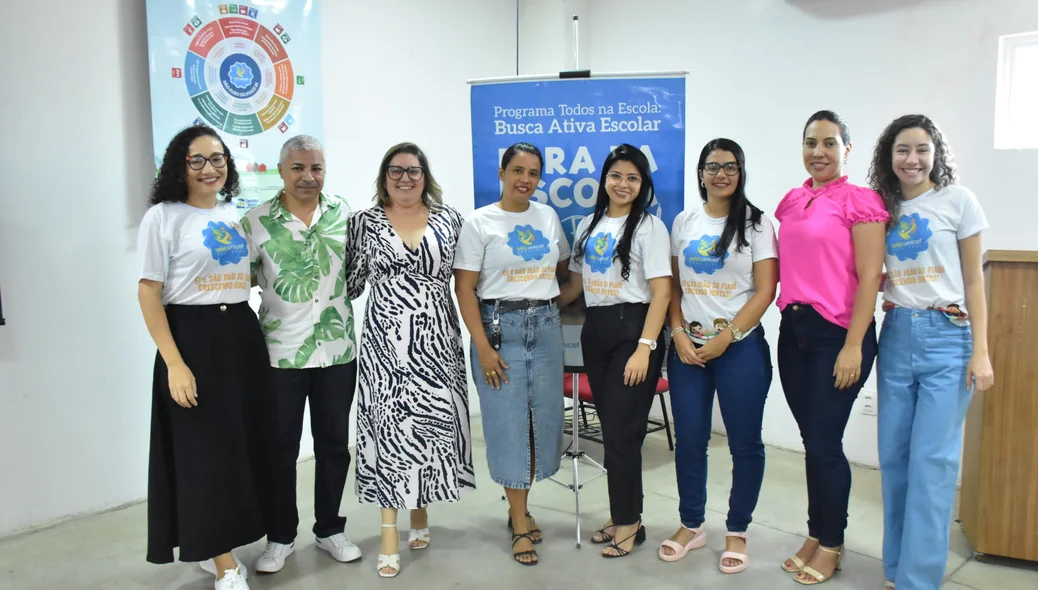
x=200, y=256
x=601, y=274
x=515, y=254
x=714, y=290
x=922, y=248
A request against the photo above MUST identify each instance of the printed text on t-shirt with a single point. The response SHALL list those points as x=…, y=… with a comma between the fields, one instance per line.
x=918, y=274
x=708, y=288
x=603, y=287
x=221, y=281
x=532, y=273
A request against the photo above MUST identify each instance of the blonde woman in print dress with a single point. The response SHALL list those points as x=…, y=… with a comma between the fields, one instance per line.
x=413, y=438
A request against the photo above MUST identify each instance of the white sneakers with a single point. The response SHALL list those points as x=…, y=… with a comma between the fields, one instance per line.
x=339, y=547
x=210, y=567
x=274, y=556
x=233, y=580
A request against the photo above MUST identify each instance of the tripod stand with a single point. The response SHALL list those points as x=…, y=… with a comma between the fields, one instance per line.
x=574, y=453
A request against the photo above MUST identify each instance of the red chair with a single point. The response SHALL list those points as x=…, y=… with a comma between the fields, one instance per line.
x=585, y=401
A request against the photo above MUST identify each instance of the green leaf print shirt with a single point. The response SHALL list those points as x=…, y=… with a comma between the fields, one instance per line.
x=305, y=313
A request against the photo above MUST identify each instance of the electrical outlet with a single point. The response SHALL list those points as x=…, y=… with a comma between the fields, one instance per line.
x=868, y=402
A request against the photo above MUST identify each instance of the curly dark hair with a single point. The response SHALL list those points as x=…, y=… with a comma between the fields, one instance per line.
x=882, y=178
x=171, y=180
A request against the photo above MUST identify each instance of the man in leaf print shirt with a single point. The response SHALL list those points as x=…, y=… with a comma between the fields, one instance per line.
x=297, y=247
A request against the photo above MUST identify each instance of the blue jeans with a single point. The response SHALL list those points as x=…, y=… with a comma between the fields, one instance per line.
x=808, y=346
x=741, y=377
x=923, y=399
x=531, y=346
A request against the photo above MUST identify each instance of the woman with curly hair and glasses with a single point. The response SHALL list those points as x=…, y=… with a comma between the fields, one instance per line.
x=932, y=346
x=212, y=406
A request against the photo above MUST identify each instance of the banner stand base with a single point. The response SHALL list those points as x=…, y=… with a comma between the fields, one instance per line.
x=576, y=455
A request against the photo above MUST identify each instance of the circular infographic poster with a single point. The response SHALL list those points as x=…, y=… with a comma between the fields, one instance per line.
x=239, y=75
x=240, y=69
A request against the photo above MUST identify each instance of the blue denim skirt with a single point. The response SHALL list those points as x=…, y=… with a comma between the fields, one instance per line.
x=531, y=346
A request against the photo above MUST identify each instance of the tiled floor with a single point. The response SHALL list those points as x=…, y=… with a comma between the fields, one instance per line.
x=470, y=544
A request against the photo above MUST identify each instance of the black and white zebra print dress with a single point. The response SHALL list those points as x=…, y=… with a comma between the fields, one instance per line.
x=413, y=437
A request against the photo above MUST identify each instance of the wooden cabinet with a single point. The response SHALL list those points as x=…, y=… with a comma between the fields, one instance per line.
x=999, y=501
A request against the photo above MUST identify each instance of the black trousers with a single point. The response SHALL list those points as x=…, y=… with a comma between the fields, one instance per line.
x=608, y=339
x=808, y=345
x=330, y=391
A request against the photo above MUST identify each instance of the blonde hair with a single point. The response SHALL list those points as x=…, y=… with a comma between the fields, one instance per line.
x=432, y=195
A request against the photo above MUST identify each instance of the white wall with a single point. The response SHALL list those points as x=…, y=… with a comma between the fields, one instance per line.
x=75, y=158
x=760, y=68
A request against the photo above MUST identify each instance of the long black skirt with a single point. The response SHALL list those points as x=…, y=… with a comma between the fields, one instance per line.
x=206, y=488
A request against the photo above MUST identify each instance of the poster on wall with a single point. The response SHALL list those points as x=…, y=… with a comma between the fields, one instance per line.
x=251, y=71
x=576, y=122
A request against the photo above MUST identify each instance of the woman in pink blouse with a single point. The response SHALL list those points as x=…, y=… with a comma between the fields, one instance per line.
x=831, y=240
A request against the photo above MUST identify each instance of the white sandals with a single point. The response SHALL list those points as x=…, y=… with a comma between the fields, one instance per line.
x=421, y=535
x=385, y=561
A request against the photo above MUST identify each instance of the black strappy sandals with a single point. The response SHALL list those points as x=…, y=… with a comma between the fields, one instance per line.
x=518, y=556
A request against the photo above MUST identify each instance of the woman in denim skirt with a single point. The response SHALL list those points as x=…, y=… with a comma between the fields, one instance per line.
x=932, y=347
x=509, y=254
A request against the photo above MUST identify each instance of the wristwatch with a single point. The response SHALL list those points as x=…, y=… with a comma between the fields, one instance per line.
x=650, y=343
x=736, y=332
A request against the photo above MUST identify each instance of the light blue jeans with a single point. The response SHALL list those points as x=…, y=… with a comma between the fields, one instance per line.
x=923, y=397
x=531, y=346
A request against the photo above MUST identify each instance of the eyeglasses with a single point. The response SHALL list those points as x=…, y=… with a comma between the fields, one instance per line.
x=731, y=168
x=198, y=162
x=630, y=178
x=413, y=172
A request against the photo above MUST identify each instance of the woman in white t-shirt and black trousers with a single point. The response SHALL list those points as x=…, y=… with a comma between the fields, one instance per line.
x=932, y=347
x=213, y=414
x=621, y=261
x=508, y=256
x=726, y=259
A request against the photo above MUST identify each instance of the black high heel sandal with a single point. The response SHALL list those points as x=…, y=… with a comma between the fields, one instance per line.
x=606, y=537
x=531, y=531
x=639, y=538
x=533, y=552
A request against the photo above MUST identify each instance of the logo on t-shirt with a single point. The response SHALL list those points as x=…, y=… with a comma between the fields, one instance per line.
x=598, y=252
x=909, y=237
x=699, y=255
x=225, y=242
x=528, y=243
x=697, y=331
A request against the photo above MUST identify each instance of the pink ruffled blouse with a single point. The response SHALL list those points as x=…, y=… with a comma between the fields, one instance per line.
x=816, y=249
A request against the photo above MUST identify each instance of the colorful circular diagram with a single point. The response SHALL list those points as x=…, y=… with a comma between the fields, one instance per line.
x=239, y=76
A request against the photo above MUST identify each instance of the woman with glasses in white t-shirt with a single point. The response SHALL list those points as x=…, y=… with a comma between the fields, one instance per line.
x=212, y=416
x=932, y=347
x=726, y=257
x=621, y=262
x=509, y=254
